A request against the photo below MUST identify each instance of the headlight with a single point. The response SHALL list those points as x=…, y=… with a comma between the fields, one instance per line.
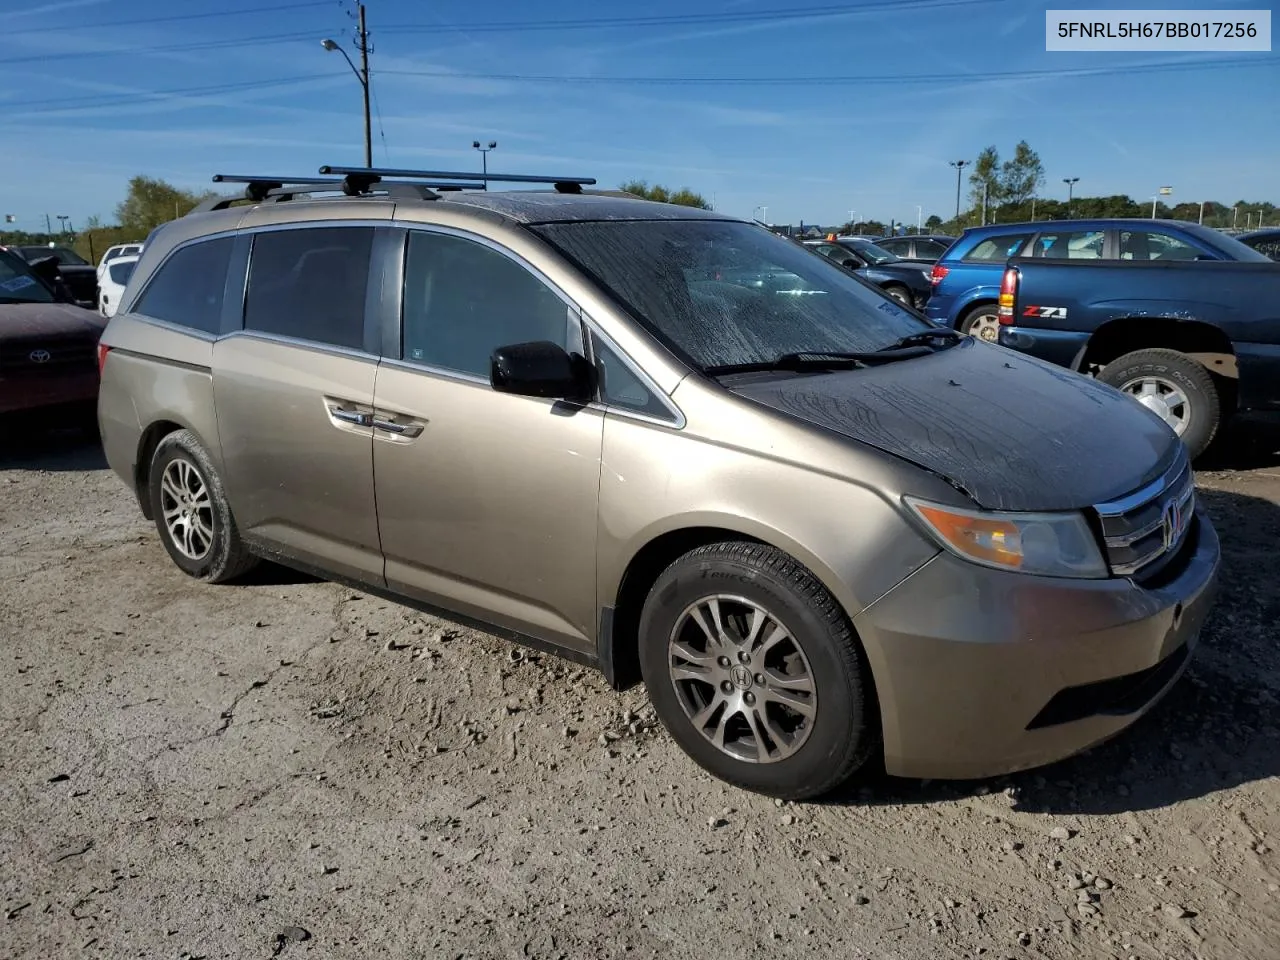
x=1045, y=544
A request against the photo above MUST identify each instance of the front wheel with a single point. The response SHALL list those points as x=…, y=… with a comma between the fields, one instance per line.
x=1177, y=389
x=756, y=672
x=901, y=294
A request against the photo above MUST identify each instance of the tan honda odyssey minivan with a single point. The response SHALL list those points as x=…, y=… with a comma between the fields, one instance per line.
x=670, y=444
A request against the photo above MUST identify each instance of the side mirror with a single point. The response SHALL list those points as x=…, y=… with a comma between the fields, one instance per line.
x=540, y=369
x=851, y=264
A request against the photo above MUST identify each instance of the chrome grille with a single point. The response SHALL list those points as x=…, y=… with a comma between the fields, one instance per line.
x=36, y=354
x=1151, y=524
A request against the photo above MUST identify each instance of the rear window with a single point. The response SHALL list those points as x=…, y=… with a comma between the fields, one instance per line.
x=121, y=272
x=727, y=293
x=18, y=285
x=187, y=290
x=1000, y=247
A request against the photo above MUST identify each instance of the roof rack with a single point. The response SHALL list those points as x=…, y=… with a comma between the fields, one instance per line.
x=262, y=189
x=358, y=175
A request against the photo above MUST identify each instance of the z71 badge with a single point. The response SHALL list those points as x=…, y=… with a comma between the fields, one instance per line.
x=1052, y=313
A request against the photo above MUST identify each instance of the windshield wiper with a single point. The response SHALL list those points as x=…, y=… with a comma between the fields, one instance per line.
x=823, y=360
x=925, y=338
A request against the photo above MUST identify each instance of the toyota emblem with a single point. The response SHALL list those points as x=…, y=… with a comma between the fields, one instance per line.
x=40, y=356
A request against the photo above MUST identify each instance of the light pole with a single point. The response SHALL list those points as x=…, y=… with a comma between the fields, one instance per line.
x=1070, y=182
x=484, y=157
x=1201, y=220
x=959, y=165
x=853, y=221
x=62, y=222
x=919, y=218
x=362, y=74
x=764, y=214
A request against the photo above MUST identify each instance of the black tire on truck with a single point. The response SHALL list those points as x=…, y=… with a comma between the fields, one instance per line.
x=1175, y=387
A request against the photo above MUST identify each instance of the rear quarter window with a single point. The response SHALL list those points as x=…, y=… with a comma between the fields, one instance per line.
x=187, y=290
x=998, y=248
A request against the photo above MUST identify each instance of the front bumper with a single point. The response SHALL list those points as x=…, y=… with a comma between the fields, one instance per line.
x=980, y=672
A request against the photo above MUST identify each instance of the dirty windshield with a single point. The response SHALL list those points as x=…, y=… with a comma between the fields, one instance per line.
x=17, y=285
x=726, y=293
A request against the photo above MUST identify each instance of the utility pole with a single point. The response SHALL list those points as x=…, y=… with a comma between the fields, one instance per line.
x=959, y=165
x=48, y=225
x=362, y=74
x=1201, y=220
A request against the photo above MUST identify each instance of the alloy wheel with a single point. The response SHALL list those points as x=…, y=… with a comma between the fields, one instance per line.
x=742, y=679
x=187, y=509
x=1163, y=398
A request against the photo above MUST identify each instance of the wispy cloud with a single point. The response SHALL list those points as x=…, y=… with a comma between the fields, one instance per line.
x=53, y=8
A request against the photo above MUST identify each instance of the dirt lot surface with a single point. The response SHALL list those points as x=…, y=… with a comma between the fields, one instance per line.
x=290, y=768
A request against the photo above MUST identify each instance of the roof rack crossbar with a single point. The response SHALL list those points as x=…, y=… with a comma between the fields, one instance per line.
x=562, y=184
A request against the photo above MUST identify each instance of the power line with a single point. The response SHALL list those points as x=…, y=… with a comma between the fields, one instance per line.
x=115, y=99
x=687, y=19
x=176, y=47
x=241, y=11
x=985, y=76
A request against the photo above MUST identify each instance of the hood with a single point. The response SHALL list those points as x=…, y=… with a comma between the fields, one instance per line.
x=1013, y=432
x=53, y=320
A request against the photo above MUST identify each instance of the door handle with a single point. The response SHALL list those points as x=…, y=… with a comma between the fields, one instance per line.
x=354, y=417
x=400, y=429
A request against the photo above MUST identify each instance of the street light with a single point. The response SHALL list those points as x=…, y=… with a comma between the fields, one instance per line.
x=919, y=218
x=484, y=158
x=959, y=165
x=1070, y=182
x=362, y=74
x=764, y=214
x=63, y=218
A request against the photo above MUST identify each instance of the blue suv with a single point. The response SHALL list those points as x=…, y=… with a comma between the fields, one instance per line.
x=966, y=280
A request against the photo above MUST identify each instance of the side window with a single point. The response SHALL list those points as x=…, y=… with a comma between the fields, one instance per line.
x=1149, y=245
x=463, y=300
x=1069, y=245
x=930, y=248
x=998, y=248
x=187, y=289
x=310, y=284
x=901, y=248
x=619, y=387
x=1270, y=247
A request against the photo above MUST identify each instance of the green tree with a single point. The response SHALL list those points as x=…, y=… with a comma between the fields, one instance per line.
x=933, y=224
x=683, y=197
x=151, y=202
x=1021, y=176
x=985, y=176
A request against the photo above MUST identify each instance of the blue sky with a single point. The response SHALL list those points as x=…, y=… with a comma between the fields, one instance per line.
x=72, y=123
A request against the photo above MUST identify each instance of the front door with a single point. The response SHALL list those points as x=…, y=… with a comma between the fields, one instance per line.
x=487, y=502
x=293, y=392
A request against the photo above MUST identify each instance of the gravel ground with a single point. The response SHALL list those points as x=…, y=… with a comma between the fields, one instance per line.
x=287, y=767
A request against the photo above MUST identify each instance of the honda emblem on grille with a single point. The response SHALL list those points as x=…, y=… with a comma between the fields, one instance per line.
x=1171, y=521
x=39, y=356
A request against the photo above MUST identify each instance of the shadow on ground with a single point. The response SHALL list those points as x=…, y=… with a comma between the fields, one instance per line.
x=31, y=446
x=1218, y=728
x=1250, y=442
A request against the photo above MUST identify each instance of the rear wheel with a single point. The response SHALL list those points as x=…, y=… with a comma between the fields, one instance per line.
x=755, y=671
x=1180, y=391
x=982, y=322
x=192, y=514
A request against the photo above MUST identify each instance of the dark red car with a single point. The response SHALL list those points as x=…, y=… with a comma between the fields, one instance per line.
x=48, y=345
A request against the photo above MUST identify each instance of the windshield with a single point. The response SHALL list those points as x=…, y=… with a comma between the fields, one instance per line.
x=728, y=293
x=870, y=251
x=63, y=254
x=17, y=285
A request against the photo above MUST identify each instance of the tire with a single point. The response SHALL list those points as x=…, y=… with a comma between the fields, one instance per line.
x=213, y=552
x=980, y=321
x=804, y=752
x=1172, y=375
x=901, y=294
